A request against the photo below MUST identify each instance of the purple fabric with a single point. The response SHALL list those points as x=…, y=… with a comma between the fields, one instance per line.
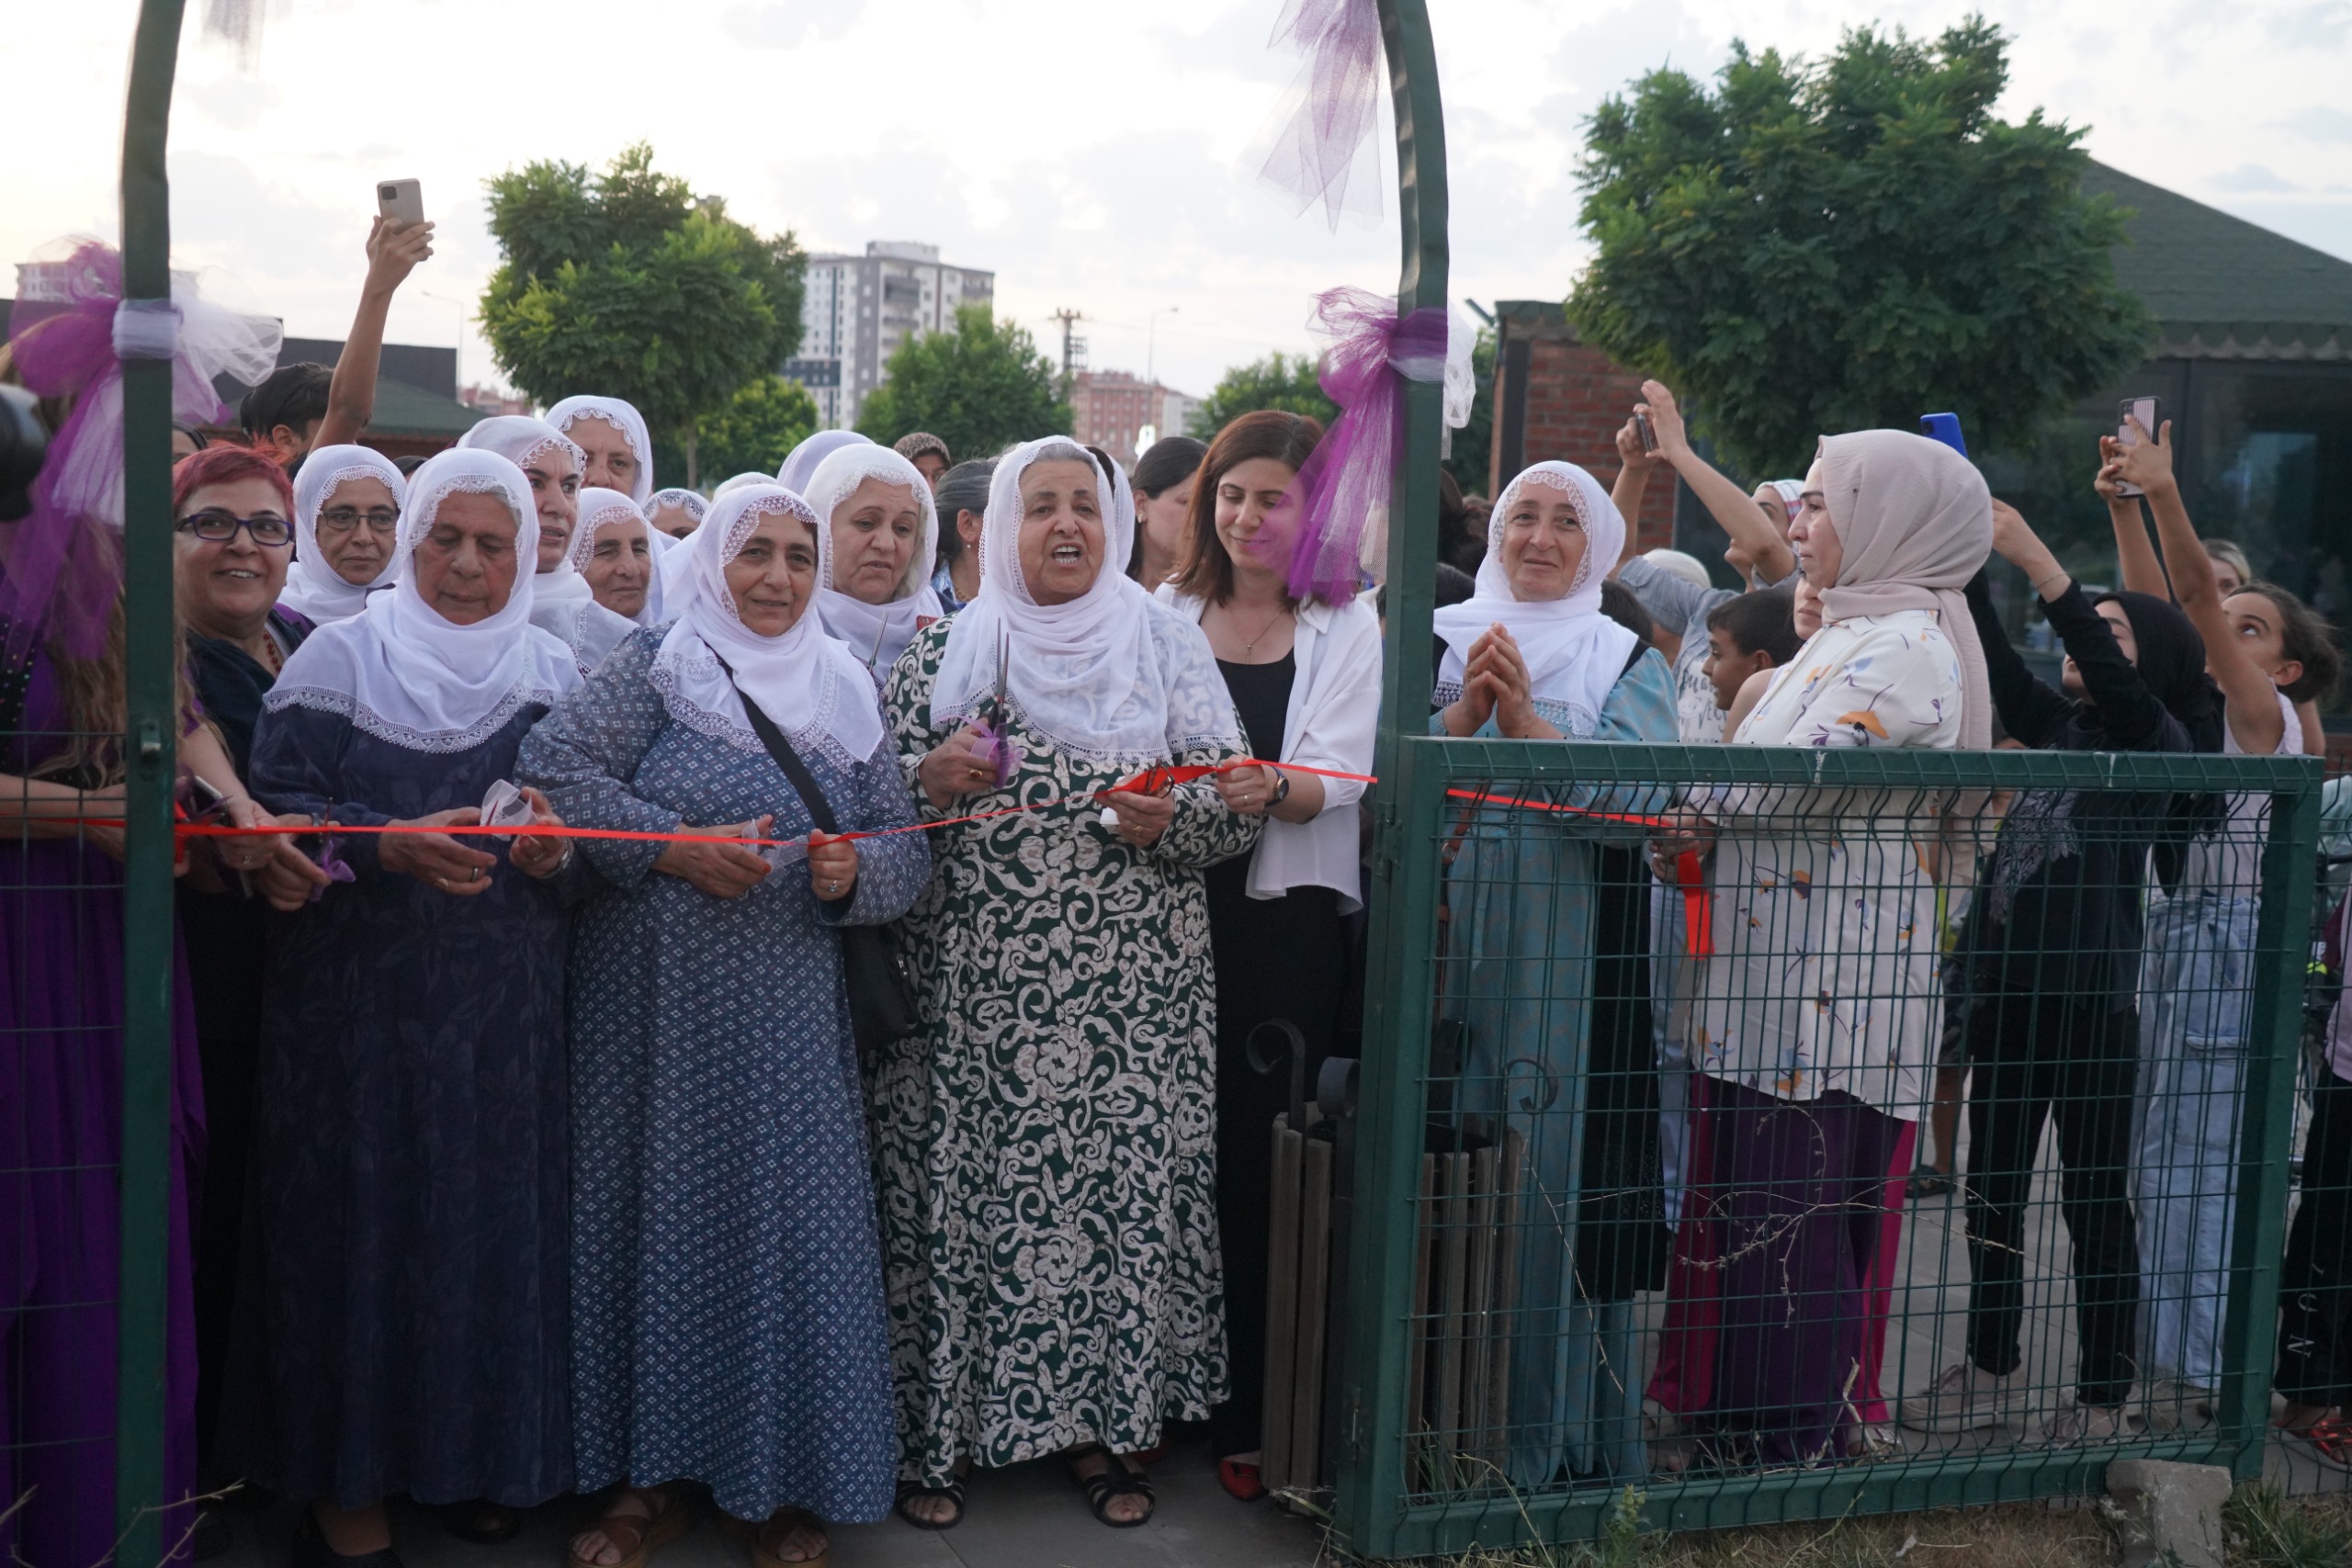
x=1348, y=481
x=61, y=1142
x=1316, y=152
x=1798, y=1187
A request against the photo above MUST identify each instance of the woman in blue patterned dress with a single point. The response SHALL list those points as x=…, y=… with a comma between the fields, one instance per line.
x=401, y=1301
x=728, y=1324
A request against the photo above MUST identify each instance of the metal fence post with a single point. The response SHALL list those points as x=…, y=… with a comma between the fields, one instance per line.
x=1371, y=1438
x=149, y=660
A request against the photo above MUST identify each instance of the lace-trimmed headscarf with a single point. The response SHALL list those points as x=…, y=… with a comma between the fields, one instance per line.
x=694, y=505
x=622, y=417
x=810, y=684
x=1573, y=652
x=315, y=589
x=601, y=508
x=800, y=463
x=878, y=634
x=1108, y=676
x=403, y=672
x=562, y=602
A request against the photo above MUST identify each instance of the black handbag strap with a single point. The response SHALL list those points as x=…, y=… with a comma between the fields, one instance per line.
x=820, y=810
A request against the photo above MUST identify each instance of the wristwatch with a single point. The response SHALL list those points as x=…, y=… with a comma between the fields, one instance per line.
x=1282, y=788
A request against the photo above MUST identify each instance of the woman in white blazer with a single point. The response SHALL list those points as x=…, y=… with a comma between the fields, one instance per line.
x=1304, y=675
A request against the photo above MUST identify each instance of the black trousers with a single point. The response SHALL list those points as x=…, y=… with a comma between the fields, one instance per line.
x=2315, y=1316
x=2038, y=1059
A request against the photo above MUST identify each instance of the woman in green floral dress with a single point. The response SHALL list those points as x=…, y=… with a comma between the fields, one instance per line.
x=1045, y=1144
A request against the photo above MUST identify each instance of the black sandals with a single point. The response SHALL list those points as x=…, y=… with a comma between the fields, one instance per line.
x=1114, y=1480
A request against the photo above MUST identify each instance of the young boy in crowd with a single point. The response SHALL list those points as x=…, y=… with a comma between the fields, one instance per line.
x=1746, y=637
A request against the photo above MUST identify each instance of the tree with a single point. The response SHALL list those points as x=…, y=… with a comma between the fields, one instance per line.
x=1814, y=247
x=758, y=428
x=626, y=283
x=1284, y=381
x=979, y=389
x=1474, y=443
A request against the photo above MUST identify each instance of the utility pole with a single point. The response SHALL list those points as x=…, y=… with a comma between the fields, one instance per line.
x=1073, y=347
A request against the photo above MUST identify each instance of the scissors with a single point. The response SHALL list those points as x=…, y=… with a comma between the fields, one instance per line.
x=993, y=719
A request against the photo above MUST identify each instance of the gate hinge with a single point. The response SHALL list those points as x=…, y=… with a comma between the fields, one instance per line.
x=1352, y=1426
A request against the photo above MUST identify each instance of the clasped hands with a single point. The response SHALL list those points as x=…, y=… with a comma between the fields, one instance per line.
x=1495, y=684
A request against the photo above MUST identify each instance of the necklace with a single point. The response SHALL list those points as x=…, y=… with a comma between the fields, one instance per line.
x=270, y=657
x=1251, y=646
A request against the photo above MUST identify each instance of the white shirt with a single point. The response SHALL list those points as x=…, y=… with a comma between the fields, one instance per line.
x=1333, y=715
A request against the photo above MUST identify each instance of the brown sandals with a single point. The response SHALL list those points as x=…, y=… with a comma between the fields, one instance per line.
x=636, y=1536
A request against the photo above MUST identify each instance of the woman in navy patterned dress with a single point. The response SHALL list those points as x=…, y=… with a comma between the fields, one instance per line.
x=728, y=1321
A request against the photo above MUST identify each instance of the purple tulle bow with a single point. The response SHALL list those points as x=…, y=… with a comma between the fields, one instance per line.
x=1347, y=482
x=1321, y=132
x=63, y=567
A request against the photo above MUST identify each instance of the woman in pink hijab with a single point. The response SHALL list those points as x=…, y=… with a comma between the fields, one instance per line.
x=1813, y=1018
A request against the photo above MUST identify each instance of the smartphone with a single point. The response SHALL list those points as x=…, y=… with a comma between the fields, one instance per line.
x=401, y=201
x=2144, y=409
x=1944, y=427
x=204, y=802
x=1649, y=433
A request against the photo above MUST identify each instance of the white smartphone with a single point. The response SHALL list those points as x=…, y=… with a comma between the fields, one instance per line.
x=401, y=201
x=2144, y=409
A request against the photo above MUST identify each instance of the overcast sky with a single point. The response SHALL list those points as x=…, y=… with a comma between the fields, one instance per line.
x=1087, y=154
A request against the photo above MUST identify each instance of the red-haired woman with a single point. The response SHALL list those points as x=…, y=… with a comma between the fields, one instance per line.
x=1304, y=675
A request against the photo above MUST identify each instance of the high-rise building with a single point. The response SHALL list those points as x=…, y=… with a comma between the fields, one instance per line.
x=858, y=309
x=1111, y=409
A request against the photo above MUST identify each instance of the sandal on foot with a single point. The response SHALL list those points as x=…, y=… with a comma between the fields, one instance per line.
x=1114, y=1480
x=481, y=1521
x=910, y=1492
x=770, y=1537
x=1243, y=1482
x=1928, y=1181
x=637, y=1537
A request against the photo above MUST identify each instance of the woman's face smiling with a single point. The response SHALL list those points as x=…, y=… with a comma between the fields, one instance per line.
x=1543, y=543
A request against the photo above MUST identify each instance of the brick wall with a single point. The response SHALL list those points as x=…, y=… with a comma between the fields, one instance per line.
x=1567, y=402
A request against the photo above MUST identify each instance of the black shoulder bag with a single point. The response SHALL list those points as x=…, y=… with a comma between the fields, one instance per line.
x=882, y=1008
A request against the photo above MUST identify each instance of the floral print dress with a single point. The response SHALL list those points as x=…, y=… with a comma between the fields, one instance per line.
x=1824, y=971
x=1045, y=1144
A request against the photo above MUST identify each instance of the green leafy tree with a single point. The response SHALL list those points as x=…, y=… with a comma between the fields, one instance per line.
x=979, y=389
x=627, y=283
x=1284, y=381
x=1474, y=443
x=1830, y=245
x=758, y=428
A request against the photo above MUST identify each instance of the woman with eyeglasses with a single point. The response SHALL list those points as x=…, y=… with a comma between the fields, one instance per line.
x=347, y=505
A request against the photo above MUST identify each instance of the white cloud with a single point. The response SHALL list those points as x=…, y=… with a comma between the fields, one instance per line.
x=1088, y=156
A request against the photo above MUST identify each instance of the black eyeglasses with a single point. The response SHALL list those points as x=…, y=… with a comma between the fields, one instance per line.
x=344, y=519
x=215, y=526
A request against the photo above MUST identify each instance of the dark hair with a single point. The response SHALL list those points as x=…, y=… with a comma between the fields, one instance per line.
x=919, y=444
x=964, y=487
x=1206, y=571
x=1618, y=603
x=196, y=437
x=225, y=465
x=1454, y=586
x=408, y=465
x=1764, y=621
x=291, y=395
x=1167, y=463
x=2305, y=637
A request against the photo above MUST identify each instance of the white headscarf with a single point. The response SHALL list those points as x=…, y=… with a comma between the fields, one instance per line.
x=695, y=506
x=518, y=438
x=622, y=417
x=878, y=634
x=403, y=672
x=738, y=481
x=601, y=508
x=811, y=685
x=1574, y=653
x=800, y=463
x=1110, y=675
x=562, y=602
x=313, y=588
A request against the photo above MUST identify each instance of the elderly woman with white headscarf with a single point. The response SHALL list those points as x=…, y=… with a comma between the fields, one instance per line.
x=1816, y=1015
x=616, y=452
x=675, y=513
x=876, y=591
x=1548, y=978
x=615, y=553
x=1046, y=1142
x=348, y=503
x=726, y=1311
x=562, y=602
x=403, y=1325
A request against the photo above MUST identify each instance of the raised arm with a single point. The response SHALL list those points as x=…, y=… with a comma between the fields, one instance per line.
x=2142, y=573
x=2028, y=709
x=1634, y=466
x=393, y=250
x=1728, y=505
x=2250, y=695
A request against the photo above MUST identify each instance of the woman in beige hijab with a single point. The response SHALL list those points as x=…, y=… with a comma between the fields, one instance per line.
x=1814, y=1017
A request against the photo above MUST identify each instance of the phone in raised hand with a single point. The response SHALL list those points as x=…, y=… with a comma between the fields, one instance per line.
x=1944, y=427
x=2145, y=411
x=401, y=201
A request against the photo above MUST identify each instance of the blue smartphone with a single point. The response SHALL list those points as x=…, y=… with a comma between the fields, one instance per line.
x=1944, y=427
